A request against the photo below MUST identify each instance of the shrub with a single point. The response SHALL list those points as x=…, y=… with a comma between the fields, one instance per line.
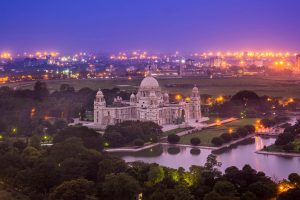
x=284, y=139
x=195, y=141
x=172, y=138
x=195, y=151
x=226, y=137
x=250, y=129
x=138, y=142
x=217, y=141
x=242, y=132
x=173, y=150
x=235, y=135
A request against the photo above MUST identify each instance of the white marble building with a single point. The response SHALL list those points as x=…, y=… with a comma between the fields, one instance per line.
x=149, y=104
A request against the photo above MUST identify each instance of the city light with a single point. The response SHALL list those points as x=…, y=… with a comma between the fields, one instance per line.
x=285, y=186
x=178, y=97
x=218, y=122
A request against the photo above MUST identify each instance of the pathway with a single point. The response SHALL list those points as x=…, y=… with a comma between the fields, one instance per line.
x=131, y=149
x=278, y=153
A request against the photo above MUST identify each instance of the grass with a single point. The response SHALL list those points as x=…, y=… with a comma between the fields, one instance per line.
x=175, y=131
x=206, y=135
x=213, y=120
x=275, y=148
x=285, y=87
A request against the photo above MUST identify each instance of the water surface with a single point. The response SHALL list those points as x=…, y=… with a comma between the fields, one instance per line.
x=277, y=167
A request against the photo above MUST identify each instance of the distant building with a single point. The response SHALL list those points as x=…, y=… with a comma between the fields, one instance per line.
x=215, y=62
x=297, y=63
x=149, y=104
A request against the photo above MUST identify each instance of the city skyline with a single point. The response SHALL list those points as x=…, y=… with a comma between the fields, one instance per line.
x=156, y=26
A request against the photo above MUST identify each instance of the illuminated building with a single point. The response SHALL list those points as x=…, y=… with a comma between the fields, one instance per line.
x=149, y=104
x=297, y=62
x=215, y=62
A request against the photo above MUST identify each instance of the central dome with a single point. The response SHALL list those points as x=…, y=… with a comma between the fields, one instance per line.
x=149, y=82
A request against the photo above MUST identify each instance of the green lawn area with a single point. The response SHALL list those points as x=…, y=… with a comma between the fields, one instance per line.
x=275, y=148
x=175, y=131
x=273, y=86
x=213, y=120
x=206, y=135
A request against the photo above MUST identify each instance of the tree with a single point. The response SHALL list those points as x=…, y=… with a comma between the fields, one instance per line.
x=235, y=135
x=35, y=141
x=263, y=190
x=41, y=171
x=31, y=153
x=155, y=175
x=292, y=194
x=110, y=165
x=212, y=163
x=41, y=91
x=242, y=131
x=126, y=132
x=120, y=186
x=250, y=128
x=60, y=124
x=19, y=145
x=294, y=178
x=213, y=195
x=217, y=141
x=226, y=137
x=284, y=139
x=173, y=138
x=73, y=190
x=90, y=138
x=138, y=142
x=248, y=196
x=246, y=96
x=225, y=188
x=288, y=147
x=195, y=141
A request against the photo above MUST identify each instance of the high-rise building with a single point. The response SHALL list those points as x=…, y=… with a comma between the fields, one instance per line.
x=297, y=63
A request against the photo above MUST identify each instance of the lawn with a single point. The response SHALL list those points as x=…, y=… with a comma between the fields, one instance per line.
x=285, y=87
x=206, y=135
x=175, y=131
x=275, y=148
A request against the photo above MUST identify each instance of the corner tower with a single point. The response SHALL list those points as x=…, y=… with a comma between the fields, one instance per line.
x=195, y=105
x=99, y=105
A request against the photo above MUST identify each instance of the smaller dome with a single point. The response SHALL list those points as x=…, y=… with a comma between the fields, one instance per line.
x=195, y=88
x=132, y=96
x=99, y=93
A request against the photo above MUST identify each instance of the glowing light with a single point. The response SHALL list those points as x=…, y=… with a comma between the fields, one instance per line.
x=290, y=100
x=187, y=99
x=106, y=144
x=45, y=137
x=230, y=130
x=218, y=122
x=5, y=55
x=14, y=130
x=285, y=186
x=178, y=97
x=220, y=99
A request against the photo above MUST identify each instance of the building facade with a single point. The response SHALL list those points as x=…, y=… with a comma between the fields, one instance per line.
x=149, y=104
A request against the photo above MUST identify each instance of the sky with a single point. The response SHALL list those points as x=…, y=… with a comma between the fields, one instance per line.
x=163, y=26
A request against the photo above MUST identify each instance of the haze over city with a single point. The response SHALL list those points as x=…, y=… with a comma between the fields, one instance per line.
x=158, y=26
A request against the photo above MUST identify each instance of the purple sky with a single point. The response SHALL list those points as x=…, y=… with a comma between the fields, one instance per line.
x=153, y=25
